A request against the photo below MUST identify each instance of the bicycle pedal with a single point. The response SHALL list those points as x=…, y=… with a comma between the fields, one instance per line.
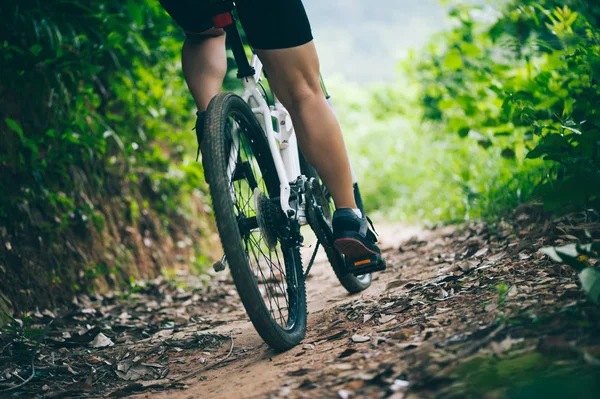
x=360, y=266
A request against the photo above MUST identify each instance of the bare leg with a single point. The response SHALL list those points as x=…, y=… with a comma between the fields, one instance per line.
x=204, y=65
x=294, y=77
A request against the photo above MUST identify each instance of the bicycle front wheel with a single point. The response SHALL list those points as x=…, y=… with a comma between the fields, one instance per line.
x=261, y=244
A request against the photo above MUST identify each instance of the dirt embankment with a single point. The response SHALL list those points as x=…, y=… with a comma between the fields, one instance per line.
x=115, y=235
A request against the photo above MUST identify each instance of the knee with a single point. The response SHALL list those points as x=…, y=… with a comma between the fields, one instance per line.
x=302, y=91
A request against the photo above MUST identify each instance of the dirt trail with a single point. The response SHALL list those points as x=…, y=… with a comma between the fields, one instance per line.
x=257, y=370
x=461, y=311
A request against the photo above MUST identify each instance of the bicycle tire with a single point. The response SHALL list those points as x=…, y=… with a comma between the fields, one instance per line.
x=216, y=147
x=353, y=284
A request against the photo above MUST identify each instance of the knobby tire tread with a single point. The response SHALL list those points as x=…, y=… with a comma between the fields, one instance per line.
x=215, y=158
x=349, y=281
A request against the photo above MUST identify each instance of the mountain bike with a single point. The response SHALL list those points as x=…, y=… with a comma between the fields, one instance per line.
x=262, y=192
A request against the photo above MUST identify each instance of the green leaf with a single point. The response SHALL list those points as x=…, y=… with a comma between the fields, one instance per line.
x=453, y=60
x=141, y=42
x=508, y=153
x=568, y=254
x=550, y=144
x=14, y=126
x=470, y=49
x=464, y=131
x=590, y=282
x=551, y=252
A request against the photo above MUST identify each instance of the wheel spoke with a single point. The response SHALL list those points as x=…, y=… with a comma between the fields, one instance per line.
x=274, y=278
x=243, y=181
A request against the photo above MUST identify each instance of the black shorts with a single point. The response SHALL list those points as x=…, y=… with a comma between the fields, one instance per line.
x=269, y=24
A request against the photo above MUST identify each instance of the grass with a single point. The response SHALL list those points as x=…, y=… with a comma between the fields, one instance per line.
x=411, y=171
x=527, y=375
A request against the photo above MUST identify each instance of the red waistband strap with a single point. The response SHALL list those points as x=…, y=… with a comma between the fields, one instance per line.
x=222, y=20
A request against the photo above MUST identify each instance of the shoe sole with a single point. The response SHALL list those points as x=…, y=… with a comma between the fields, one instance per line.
x=353, y=248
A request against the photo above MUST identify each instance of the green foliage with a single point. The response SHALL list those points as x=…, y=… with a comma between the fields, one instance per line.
x=524, y=374
x=499, y=110
x=577, y=256
x=530, y=78
x=413, y=170
x=21, y=334
x=92, y=105
x=94, y=87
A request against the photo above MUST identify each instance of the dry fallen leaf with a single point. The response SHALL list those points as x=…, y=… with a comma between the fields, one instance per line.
x=343, y=394
x=298, y=373
x=497, y=257
x=481, y=252
x=503, y=346
x=355, y=384
x=360, y=338
x=386, y=318
x=399, y=384
x=101, y=341
x=343, y=366
x=347, y=352
x=491, y=307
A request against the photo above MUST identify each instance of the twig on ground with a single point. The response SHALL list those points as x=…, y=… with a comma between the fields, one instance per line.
x=4, y=348
x=482, y=342
x=35, y=351
x=206, y=367
x=230, y=350
x=24, y=381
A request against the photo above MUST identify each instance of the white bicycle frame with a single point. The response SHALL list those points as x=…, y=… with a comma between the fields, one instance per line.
x=283, y=144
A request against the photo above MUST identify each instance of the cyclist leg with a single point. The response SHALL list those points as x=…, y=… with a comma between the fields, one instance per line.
x=281, y=35
x=203, y=56
x=294, y=77
x=204, y=64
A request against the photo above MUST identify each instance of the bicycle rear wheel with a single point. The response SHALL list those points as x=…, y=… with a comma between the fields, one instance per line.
x=349, y=281
x=261, y=244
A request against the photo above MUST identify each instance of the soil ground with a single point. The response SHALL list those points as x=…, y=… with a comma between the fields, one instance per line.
x=461, y=311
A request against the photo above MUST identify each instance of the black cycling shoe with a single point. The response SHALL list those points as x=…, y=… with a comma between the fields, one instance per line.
x=199, y=130
x=352, y=235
